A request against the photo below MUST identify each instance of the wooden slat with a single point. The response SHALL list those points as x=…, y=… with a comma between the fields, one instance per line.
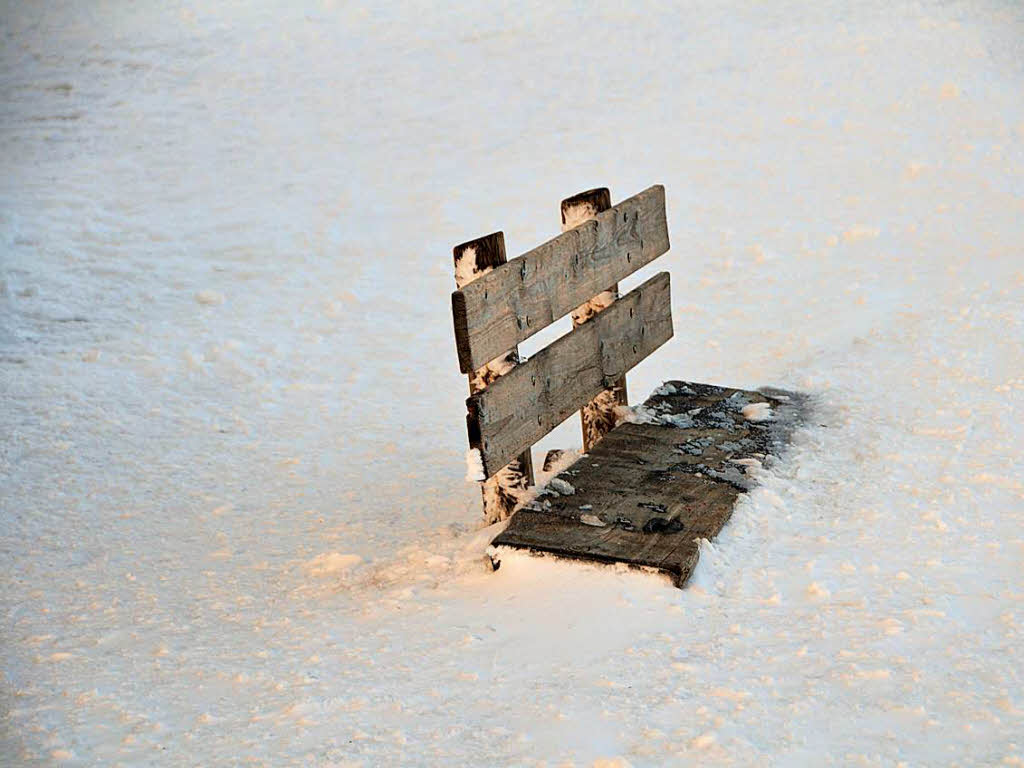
x=502, y=492
x=515, y=301
x=646, y=492
x=533, y=398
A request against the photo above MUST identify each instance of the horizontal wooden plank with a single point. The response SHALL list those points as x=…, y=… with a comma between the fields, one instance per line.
x=514, y=301
x=646, y=493
x=522, y=406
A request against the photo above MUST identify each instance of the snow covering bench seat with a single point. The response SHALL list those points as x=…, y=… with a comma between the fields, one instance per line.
x=666, y=477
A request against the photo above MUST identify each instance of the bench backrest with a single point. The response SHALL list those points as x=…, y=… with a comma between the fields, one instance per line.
x=501, y=303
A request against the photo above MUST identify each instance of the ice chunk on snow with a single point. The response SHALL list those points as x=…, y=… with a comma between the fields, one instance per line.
x=757, y=412
x=638, y=414
x=682, y=420
x=561, y=486
x=641, y=414
x=474, y=466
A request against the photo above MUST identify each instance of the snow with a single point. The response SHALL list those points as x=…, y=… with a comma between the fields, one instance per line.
x=757, y=412
x=475, y=466
x=465, y=267
x=636, y=414
x=642, y=414
x=560, y=486
x=186, y=485
x=682, y=420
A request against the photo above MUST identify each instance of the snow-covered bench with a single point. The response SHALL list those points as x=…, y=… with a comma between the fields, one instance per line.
x=654, y=479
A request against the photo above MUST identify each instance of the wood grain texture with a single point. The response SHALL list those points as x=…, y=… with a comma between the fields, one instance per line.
x=597, y=417
x=514, y=301
x=533, y=398
x=646, y=493
x=501, y=492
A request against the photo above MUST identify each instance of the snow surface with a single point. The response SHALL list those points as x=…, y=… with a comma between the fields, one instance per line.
x=233, y=520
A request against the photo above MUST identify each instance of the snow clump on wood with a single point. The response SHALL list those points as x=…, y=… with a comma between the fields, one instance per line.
x=474, y=466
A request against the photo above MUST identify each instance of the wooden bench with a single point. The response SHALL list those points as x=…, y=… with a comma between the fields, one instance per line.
x=645, y=491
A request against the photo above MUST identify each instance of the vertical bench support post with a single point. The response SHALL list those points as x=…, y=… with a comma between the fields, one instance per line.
x=597, y=416
x=502, y=491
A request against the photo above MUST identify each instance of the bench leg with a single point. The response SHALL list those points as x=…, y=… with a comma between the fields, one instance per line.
x=504, y=489
x=502, y=492
x=597, y=416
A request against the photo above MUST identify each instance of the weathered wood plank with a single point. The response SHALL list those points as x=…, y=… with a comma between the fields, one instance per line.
x=533, y=398
x=502, y=492
x=597, y=417
x=647, y=492
x=515, y=301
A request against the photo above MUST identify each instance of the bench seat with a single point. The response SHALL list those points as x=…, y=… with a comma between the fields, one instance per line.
x=661, y=480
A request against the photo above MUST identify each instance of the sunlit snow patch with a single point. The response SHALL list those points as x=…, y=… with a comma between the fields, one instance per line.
x=474, y=466
x=709, y=568
x=757, y=412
